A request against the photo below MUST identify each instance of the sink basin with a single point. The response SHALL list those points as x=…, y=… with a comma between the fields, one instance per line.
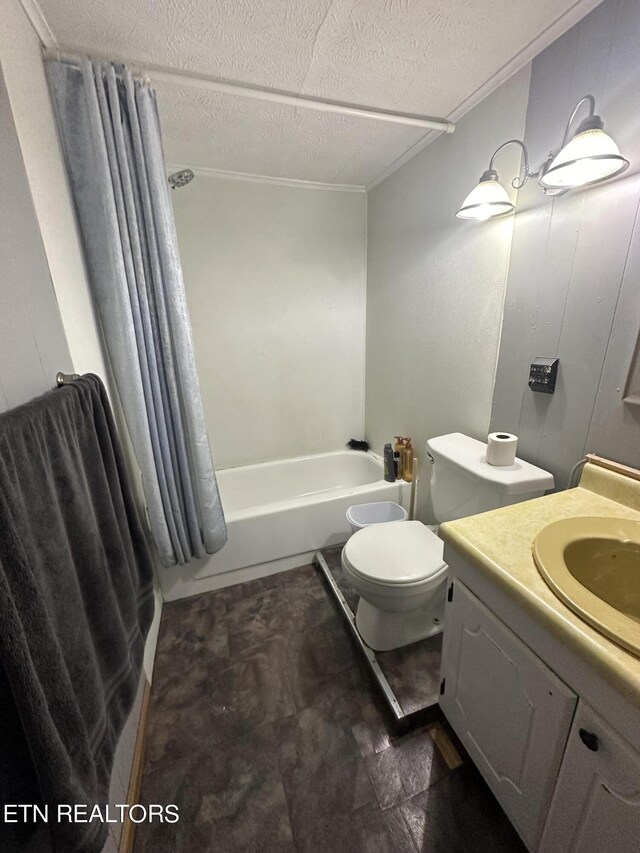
x=593, y=566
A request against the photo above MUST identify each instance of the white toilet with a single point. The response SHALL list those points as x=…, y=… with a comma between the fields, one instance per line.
x=398, y=569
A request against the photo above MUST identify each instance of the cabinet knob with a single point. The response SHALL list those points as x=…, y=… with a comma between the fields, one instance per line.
x=589, y=739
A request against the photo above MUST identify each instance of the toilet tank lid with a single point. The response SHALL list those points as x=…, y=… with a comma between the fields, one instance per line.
x=469, y=454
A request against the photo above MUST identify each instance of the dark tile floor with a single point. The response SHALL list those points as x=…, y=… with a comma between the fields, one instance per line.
x=413, y=672
x=267, y=733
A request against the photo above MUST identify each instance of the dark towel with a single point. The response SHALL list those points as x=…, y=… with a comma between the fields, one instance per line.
x=76, y=602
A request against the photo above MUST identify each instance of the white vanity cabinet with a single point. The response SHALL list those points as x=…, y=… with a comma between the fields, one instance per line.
x=511, y=712
x=567, y=778
x=596, y=803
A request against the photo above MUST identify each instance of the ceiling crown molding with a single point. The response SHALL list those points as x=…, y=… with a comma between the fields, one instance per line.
x=267, y=179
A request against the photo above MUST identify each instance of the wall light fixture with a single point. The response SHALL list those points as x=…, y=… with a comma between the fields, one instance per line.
x=589, y=157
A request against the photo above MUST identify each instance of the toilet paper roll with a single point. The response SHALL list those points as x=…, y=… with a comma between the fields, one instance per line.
x=501, y=448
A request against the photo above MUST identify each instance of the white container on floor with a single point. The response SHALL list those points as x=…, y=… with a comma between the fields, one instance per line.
x=379, y=512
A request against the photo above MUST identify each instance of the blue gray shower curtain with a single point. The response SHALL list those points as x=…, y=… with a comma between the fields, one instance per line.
x=110, y=133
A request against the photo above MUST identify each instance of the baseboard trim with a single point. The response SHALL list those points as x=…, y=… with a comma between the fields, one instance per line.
x=127, y=838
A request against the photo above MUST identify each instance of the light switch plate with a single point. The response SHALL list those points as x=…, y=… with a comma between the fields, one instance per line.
x=543, y=374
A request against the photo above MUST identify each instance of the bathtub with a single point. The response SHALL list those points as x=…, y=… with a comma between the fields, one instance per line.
x=279, y=513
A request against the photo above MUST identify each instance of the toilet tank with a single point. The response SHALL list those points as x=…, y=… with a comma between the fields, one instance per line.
x=463, y=483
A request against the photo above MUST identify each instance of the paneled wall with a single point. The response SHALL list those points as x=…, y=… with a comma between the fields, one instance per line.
x=435, y=285
x=575, y=261
x=33, y=346
x=275, y=280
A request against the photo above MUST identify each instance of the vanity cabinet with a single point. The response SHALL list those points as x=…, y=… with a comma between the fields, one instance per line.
x=596, y=803
x=511, y=712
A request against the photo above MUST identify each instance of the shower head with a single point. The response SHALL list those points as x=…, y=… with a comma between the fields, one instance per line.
x=180, y=179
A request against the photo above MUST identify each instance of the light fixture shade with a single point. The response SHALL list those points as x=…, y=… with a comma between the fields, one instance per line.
x=591, y=156
x=488, y=199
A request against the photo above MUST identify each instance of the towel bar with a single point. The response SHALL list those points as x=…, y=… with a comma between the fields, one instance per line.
x=65, y=378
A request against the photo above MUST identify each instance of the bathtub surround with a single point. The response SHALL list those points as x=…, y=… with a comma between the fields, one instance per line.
x=110, y=132
x=275, y=280
x=280, y=513
x=435, y=285
x=572, y=290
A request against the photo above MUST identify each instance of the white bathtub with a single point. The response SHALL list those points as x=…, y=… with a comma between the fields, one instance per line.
x=279, y=513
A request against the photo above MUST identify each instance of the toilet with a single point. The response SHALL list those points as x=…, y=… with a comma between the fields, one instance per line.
x=398, y=569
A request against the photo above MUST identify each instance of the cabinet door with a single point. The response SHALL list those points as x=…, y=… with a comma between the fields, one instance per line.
x=510, y=711
x=596, y=803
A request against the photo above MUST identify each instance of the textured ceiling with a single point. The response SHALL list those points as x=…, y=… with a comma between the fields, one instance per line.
x=217, y=131
x=421, y=56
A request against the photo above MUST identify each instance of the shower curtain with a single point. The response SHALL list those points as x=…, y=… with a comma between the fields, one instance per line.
x=110, y=131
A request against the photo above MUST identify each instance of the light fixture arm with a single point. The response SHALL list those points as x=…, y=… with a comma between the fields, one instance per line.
x=517, y=182
x=592, y=109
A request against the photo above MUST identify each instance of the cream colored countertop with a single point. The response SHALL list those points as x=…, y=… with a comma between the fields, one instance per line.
x=499, y=544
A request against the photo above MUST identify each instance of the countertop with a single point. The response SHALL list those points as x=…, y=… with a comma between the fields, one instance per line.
x=499, y=544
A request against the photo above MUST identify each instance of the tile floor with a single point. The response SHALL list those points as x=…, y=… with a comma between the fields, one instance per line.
x=267, y=733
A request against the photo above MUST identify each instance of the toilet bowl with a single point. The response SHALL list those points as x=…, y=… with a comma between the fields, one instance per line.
x=400, y=575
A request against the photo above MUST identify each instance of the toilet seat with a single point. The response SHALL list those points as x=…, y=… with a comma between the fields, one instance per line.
x=403, y=553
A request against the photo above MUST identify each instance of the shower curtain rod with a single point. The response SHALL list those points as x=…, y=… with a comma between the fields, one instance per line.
x=198, y=81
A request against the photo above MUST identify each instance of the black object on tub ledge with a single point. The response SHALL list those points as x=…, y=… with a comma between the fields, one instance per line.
x=76, y=602
x=356, y=444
